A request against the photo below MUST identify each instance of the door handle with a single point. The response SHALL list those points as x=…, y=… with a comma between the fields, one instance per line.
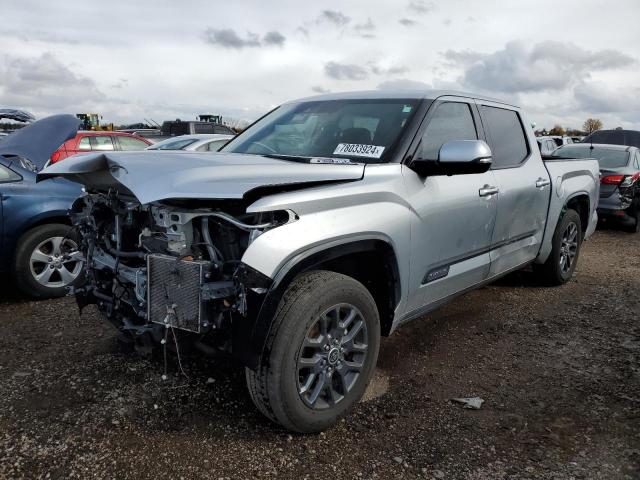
x=488, y=190
x=542, y=182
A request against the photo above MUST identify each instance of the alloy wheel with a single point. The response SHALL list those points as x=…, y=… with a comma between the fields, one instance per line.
x=332, y=356
x=568, y=247
x=56, y=262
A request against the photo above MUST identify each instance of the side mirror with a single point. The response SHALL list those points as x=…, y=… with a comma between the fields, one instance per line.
x=457, y=157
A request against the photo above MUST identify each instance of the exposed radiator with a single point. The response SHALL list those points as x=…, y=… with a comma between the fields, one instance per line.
x=173, y=292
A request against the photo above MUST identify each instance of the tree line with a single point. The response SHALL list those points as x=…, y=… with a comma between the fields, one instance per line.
x=589, y=126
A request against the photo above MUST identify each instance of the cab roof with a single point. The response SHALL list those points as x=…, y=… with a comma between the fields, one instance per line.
x=399, y=93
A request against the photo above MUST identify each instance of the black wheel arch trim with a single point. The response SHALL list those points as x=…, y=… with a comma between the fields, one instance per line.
x=251, y=331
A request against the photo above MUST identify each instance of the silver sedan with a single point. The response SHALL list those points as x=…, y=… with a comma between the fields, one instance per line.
x=194, y=143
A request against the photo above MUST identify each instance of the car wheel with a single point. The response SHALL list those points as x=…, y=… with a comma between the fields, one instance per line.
x=566, y=243
x=47, y=261
x=320, y=354
x=635, y=227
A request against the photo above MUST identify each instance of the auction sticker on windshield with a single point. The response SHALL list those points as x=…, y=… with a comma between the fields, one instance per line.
x=358, y=150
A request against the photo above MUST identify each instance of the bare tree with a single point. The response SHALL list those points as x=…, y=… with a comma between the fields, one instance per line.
x=592, y=125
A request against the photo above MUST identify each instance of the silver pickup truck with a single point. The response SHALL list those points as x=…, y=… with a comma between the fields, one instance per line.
x=327, y=224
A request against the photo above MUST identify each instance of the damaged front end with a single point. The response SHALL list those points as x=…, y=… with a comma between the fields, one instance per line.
x=171, y=264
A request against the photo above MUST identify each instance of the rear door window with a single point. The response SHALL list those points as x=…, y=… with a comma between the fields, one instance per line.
x=7, y=175
x=101, y=142
x=451, y=121
x=130, y=143
x=507, y=138
x=84, y=144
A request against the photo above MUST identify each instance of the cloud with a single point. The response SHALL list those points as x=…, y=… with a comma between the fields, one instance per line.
x=339, y=19
x=462, y=57
x=44, y=82
x=121, y=83
x=274, y=38
x=352, y=71
x=228, y=38
x=319, y=89
x=345, y=71
x=422, y=6
x=366, y=29
x=598, y=97
x=403, y=84
x=378, y=70
x=520, y=68
x=407, y=22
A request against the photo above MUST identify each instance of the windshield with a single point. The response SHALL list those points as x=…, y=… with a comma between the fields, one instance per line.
x=607, y=158
x=361, y=130
x=173, y=144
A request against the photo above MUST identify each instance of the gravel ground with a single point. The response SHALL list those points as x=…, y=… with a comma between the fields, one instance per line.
x=558, y=370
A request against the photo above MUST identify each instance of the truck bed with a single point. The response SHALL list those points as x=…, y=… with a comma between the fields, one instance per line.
x=570, y=178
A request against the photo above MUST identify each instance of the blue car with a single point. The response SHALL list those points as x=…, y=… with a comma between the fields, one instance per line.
x=37, y=244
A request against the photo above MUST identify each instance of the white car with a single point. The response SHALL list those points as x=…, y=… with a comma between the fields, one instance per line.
x=562, y=140
x=195, y=143
x=547, y=145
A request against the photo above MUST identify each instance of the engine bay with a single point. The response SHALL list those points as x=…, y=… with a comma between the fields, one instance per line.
x=173, y=264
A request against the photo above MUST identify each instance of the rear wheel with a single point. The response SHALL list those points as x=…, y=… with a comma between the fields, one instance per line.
x=567, y=240
x=47, y=261
x=635, y=227
x=320, y=355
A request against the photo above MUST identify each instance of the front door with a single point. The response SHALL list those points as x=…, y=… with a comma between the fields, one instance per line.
x=454, y=215
x=8, y=178
x=524, y=189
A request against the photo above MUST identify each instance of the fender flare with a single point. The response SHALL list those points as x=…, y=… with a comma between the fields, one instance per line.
x=545, y=249
x=250, y=333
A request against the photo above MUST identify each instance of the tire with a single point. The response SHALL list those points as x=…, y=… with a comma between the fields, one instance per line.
x=635, y=227
x=553, y=272
x=317, y=302
x=40, y=252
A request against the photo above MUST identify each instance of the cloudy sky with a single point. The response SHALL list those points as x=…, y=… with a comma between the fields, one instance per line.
x=129, y=60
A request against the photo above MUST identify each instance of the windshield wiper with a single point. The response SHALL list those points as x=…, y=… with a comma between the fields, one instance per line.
x=294, y=158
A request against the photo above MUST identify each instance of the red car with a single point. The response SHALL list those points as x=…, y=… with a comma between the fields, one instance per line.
x=85, y=142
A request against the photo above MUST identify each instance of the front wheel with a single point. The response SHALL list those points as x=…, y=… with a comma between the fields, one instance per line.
x=47, y=261
x=566, y=243
x=320, y=355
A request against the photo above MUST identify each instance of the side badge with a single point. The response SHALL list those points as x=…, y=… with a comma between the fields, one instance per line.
x=436, y=274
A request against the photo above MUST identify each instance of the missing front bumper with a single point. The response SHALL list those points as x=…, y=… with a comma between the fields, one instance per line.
x=174, y=295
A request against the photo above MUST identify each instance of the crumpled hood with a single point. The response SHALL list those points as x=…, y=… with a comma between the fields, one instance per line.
x=151, y=177
x=38, y=141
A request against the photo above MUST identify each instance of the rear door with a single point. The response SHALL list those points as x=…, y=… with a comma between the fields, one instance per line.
x=128, y=143
x=524, y=188
x=101, y=143
x=454, y=216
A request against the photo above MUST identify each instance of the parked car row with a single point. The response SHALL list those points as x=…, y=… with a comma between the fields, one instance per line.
x=37, y=245
x=619, y=180
x=192, y=143
x=618, y=154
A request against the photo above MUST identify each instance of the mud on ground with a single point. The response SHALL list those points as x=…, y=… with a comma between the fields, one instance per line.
x=558, y=370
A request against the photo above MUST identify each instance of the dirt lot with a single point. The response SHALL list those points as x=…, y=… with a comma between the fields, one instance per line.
x=558, y=370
